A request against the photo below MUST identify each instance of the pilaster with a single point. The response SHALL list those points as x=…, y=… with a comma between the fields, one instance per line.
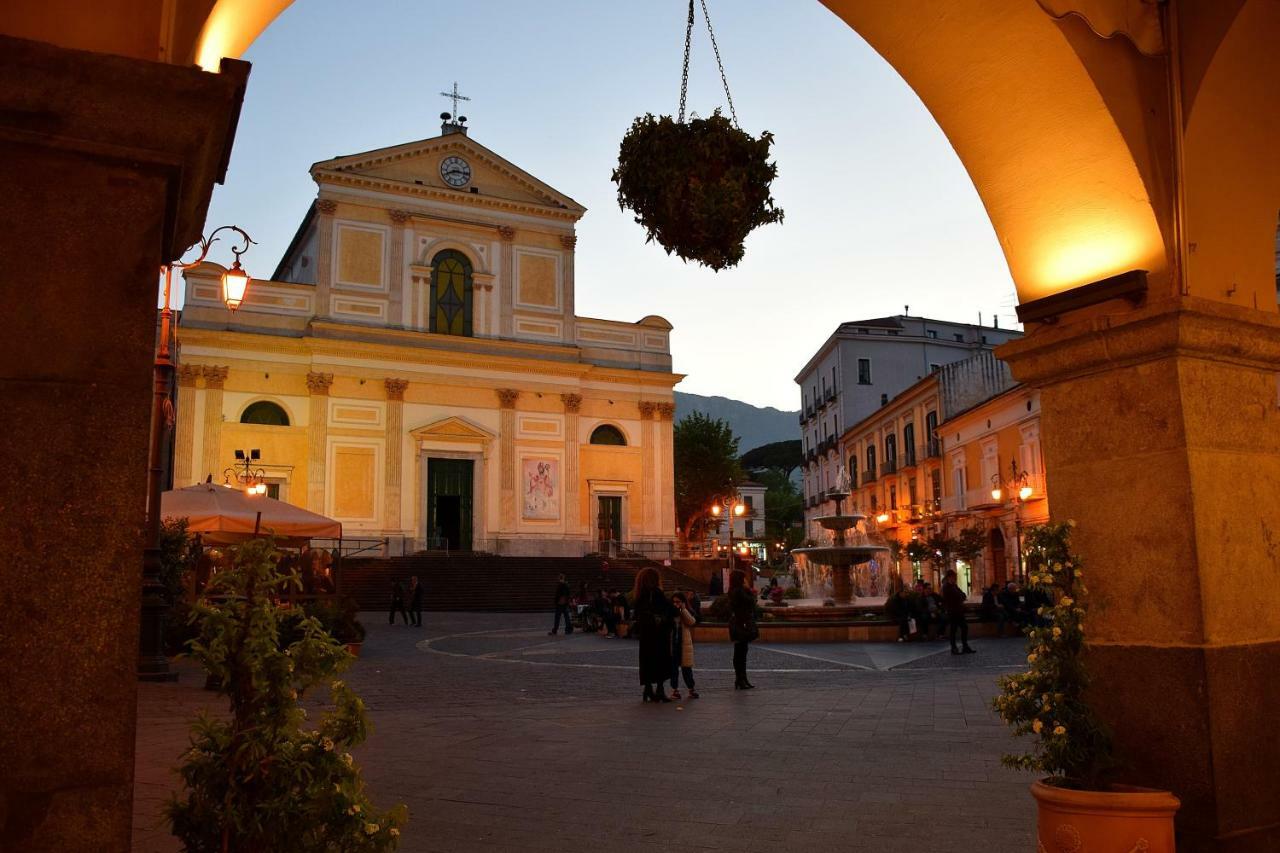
x=210, y=460
x=1161, y=439
x=666, y=470
x=569, y=243
x=399, y=236
x=648, y=457
x=325, y=209
x=506, y=295
x=185, y=429
x=507, y=458
x=317, y=438
x=572, y=509
x=394, y=451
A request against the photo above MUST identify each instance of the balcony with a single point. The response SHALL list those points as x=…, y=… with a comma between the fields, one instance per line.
x=933, y=448
x=869, y=476
x=890, y=466
x=907, y=460
x=803, y=417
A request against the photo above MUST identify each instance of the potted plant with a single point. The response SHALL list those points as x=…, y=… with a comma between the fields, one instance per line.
x=338, y=616
x=1079, y=808
x=262, y=777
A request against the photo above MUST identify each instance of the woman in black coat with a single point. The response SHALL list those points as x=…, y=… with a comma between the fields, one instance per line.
x=742, y=626
x=654, y=618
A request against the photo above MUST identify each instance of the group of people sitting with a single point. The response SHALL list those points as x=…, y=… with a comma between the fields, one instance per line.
x=1013, y=606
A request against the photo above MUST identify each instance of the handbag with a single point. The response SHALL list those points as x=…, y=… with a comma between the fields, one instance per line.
x=911, y=625
x=743, y=632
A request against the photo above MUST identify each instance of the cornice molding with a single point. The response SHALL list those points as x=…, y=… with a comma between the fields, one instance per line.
x=350, y=179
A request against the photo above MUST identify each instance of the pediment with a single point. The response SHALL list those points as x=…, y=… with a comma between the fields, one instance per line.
x=452, y=428
x=415, y=166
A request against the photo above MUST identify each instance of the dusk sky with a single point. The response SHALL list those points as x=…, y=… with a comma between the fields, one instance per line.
x=879, y=211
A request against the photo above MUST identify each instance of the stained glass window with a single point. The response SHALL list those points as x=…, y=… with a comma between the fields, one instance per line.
x=608, y=434
x=451, y=294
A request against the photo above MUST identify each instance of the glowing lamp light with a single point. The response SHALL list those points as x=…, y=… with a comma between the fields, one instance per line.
x=715, y=510
x=997, y=494
x=235, y=282
x=882, y=517
x=1024, y=492
x=261, y=488
x=739, y=509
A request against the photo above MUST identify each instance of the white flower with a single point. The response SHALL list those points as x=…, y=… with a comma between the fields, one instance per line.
x=1059, y=730
x=327, y=743
x=1037, y=726
x=1057, y=632
x=371, y=828
x=346, y=759
x=395, y=833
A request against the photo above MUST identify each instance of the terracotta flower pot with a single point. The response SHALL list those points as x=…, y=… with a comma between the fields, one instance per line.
x=354, y=648
x=1122, y=819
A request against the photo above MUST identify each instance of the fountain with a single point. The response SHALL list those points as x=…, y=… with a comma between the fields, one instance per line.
x=842, y=555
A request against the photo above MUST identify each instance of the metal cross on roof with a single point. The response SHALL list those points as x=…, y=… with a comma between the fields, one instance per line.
x=455, y=97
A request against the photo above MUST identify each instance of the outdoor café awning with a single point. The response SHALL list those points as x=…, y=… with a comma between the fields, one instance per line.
x=223, y=515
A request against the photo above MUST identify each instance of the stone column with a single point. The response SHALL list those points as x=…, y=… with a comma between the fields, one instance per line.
x=666, y=470
x=396, y=297
x=648, y=477
x=394, y=450
x=1161, y=439
x=185, y=430
x=325, y=208
x=505, y=327
x=317, y=438
x=572, y=507
x=507, y=459
x=211, y=461
x=569, y=242
x=482, y=324
x=107, y=165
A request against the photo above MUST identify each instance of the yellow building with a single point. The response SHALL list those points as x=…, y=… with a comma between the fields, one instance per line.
x=415, y=369
x=929, y=462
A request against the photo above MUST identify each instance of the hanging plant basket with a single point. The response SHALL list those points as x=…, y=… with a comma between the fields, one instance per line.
x=698, y=187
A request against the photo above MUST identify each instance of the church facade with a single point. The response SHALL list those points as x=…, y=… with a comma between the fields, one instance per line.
x=415, y=369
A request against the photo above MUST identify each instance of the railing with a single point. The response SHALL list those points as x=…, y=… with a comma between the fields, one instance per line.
x=933, y=448
x=352, y=547
x=803, y=418
x=890, y=465
x=656, y=551
x=869, y=476
x=907, y=460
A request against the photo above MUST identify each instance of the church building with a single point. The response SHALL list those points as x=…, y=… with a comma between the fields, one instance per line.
x=414, y=367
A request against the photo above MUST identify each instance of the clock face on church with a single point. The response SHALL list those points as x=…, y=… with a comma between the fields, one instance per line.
x=455, y=171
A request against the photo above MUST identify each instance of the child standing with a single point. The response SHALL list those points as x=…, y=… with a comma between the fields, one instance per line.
x=682, y=647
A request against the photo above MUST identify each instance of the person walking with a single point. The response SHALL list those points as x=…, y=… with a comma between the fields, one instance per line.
x=415, y=602
x=953, y=601
x=654, y=617
x=562, y=608
x=742, y=626
x=397, y=604
x=682, y=646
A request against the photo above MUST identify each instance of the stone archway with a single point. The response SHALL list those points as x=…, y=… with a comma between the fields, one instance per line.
x=1091, y=157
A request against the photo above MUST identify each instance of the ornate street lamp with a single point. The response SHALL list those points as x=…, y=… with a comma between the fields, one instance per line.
x=1020, y=490
x=254, y=482
x=730, y=507
x=152, y=664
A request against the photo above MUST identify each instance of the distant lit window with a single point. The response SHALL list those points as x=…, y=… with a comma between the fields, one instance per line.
x=266, y=413
x=864, y=371
x=608, y=434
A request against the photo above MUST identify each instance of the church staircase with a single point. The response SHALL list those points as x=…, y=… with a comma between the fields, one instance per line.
x=490, y=583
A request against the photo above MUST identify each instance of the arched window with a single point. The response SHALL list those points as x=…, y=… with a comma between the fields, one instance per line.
x=608, y=434
x=451, y=293
x=871, y=460
x=266, y=413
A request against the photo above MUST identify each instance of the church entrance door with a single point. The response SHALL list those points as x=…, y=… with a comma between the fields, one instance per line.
x=998, y=572
x=449, y=495
x=609, y=520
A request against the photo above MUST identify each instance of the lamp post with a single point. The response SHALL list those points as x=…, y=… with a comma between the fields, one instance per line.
x=1020, y=490
x=152, y=664
x=730, y=507
x=254, y=482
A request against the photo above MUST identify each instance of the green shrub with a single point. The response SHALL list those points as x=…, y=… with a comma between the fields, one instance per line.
x=257, y=781
x=793, y=592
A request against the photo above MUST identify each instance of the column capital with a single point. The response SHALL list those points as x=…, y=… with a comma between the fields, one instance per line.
x=399, y=217
x=187, y=375
x=667, y=410
x=395, y=388
x=568, y=241
x=214, y=376
x=507, y=397
x=506, y=232
x=572, y=402
x=318, y=383
x=327, y=206
x=647, y=410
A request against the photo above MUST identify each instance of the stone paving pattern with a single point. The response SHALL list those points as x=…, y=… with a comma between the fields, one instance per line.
x=500, y=738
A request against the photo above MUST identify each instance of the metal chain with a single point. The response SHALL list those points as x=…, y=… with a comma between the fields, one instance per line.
x=684, y=75
x=716, y=48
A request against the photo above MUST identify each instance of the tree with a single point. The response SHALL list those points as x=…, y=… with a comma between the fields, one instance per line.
x=781, y=456
x=256, y=780
x=706, y=463
x=783, y=505
x=969, y=544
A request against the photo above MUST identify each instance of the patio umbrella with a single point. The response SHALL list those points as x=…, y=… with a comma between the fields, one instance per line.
x=223, y=515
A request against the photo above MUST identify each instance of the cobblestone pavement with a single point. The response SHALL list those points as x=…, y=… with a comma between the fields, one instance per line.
x=501, y=738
